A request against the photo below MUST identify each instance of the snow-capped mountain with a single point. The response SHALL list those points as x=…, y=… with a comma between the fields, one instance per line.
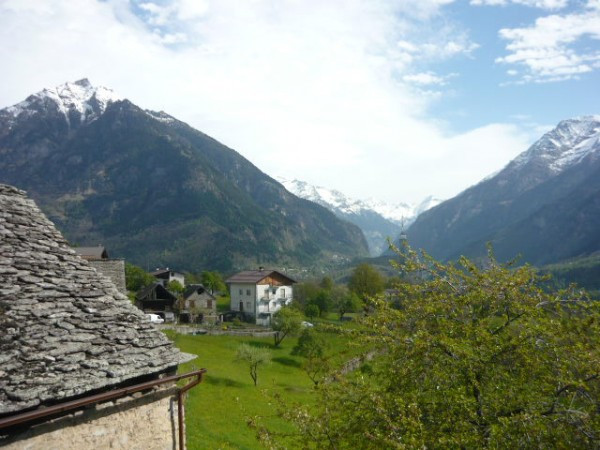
x=335, y=200
x=568, y=144
x=378, y=220
x=544, y=204
x=78, y=102
x=152, y=188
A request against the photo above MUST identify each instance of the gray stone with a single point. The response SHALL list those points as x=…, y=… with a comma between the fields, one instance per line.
x=65, y=328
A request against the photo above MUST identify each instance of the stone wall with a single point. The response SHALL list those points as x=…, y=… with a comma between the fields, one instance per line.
x=144, y=422
x=113, y=269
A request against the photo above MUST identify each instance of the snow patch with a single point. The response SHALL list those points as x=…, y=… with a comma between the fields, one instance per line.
x=81, y=97
x=161, y=116
x=398, y=213
x=569, y=143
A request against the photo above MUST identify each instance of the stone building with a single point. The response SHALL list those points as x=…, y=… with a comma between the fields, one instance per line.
x=80, y=366
x=113, y=268
x=199, y=305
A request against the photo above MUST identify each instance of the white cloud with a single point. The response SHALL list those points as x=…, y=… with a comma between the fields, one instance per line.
x=548, y=50
x=543, y=4
x=309, y=88
x=427, y=78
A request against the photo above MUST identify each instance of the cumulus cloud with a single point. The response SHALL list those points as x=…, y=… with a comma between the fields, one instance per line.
x=549, y=51
x=310, y=89
x=543, y=4
x=427, y=78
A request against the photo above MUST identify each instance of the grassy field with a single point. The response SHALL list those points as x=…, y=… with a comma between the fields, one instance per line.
x=217, y=410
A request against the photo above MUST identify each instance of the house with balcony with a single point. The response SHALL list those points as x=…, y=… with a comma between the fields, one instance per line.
x=258, y=294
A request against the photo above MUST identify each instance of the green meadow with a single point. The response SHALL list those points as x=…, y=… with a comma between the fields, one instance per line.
x=218, y=410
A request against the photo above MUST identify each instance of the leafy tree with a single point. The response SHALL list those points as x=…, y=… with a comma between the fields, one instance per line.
x=345, y=301
x=192, y=278
x=475, y=358
x=213, y=281
x=327, y=283
x=322, y=300
x=175, y=287
x=136, y=277
x=366, y=281
x=254, y=357
x=312, y=346
x=312, y=311
x=304, y=294
x=285, y=321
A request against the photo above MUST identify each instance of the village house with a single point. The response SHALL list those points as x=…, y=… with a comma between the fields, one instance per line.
x=199, y=305
x=80, y=366
x=156, y=299
x=258, y=294
x=165, y=276
x=112, y=268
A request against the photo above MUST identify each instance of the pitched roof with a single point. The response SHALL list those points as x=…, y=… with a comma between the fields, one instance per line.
x=65, y=328
x=191, y=288
x=98, y=252
x=161, y=291
x=254, y=276
x=166, y=271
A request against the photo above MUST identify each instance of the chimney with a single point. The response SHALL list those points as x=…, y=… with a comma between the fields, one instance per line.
x=261, y=268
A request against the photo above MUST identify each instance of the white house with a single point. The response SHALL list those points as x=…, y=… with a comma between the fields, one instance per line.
x=260, y=293
x=165, y=276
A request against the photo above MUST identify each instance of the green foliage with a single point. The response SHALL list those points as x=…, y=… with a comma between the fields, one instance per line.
x=223, y=303
x=475, y=358
x=585, y=271
x=286, y=321
x=136, y=278
x=213, y=281
x=131, y=297
x=312, y=311
x=323, y=300
x=175, y=287
x=366, y=281
x=326, y=283
x=304, y=293
x=345, y=301
x=310, y=343
x=312, y=346
x=253, y=356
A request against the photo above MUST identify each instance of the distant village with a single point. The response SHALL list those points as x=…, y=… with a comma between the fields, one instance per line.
x=81, y=364
x=255, y=295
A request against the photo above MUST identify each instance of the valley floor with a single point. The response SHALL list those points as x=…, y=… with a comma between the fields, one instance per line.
x=218, y=410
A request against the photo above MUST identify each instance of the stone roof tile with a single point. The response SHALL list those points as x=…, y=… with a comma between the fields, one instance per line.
x=65, y=329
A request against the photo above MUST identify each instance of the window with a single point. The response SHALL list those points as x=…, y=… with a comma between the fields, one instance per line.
x=209, y=303
x=283, y=293
x=192, y=304
x=247, y=291
x=241, y=292
x=248, y=306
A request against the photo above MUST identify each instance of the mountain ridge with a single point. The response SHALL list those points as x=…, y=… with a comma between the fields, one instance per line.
x=512, y=209
x=377, y=219
x=152, y=188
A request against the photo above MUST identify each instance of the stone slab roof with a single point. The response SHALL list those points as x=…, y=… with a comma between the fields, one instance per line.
x=97, y=252
x=254, y=276
x=65, y=330
x=197, y=289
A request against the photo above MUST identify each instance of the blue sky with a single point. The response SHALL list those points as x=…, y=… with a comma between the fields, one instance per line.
x=394, y=100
